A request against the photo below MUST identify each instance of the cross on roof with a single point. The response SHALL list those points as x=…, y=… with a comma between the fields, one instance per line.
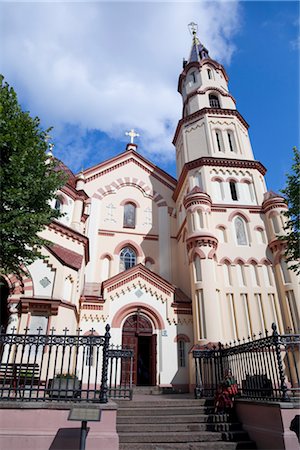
x=132, y=135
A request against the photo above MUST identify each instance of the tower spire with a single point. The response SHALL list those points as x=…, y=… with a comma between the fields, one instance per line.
x=198, y=51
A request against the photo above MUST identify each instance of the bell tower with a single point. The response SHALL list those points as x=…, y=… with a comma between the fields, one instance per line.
x=224, y=218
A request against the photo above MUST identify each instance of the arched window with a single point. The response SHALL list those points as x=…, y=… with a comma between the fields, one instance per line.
x=129, y=215
x=285, y=272
x=127, y=258
x=213, y=101
x=227, y=273
x=260, y=236
x=240, y=231
x=105, y=268
x=267, y=274
x=197, y=265
x=209, y=74
x=231, y=141
x=58, y=204
x=181, y=353
x=241, y=274
x=254, y=275
x=219, y=189
x=222, y=234
x=219, y=141
x=233, y=190
x=275, y=223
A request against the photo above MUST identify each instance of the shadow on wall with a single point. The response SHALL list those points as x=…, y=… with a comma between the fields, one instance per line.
x=66, y=439
x=295, y=426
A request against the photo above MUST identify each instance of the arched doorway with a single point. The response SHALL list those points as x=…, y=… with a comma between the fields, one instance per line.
x=4, y=293
x=138, y=334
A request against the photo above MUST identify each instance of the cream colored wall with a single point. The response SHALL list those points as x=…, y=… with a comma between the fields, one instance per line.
x=67, y=208
x=152, y=220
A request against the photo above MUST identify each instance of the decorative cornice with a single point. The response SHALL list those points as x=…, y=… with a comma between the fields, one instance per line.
x=196, y=197
x=277, y=245
x=198, y=65
x=203, y=92
x=130, y=156
x=213, y=111
x=272, y=202
x=46, y=305
x=201, y=239
x=219, y=162
x=73, y=234
x=159, y=287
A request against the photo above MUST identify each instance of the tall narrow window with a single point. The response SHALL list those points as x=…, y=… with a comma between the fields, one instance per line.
x=209, y=74
x=241, y=274
x=181, y=353
x=197, y=264
x=227, y=273
x=285, y=272
x=275, y=224
x=127, y=258
x=222, y=234
x=231, y=141
x=219, y=140
x=240, y=231
x=254, y=275
x=214, y=101
x=233, y=190
x=193, y=77
x=129, y=215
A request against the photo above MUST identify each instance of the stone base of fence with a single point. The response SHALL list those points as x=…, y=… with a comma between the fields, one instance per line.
x=45, y=426
x=268, y=423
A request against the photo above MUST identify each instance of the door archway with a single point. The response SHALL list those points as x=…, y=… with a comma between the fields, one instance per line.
x=138, y=335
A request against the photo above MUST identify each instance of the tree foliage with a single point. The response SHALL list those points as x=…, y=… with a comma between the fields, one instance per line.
x=28, y=183
x=292, y=195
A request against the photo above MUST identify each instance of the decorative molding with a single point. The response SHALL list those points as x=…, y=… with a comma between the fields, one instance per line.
x=127, y=157
x=46, y=305
x=66, y=231
x=147, y=191
x=147, y=310
x=205, y=111
x=219, y=162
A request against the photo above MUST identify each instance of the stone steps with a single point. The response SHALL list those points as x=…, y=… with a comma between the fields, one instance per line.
x=177, y=423
x=190, y=446
x=176, y=427
x=189, y=418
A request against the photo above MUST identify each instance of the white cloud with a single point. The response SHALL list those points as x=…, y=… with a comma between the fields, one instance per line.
x=109, y=66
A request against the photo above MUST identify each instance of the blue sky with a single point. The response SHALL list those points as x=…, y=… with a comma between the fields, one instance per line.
x=95, y=70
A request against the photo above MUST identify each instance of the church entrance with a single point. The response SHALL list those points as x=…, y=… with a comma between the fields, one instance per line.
x=138, y=335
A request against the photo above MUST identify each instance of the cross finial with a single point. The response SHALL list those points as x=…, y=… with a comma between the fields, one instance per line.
x=132, y=135
x=193, y=27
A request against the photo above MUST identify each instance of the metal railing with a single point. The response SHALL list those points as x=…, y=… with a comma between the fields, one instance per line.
x=120, y=372
x=39, y=367
x=266, y=368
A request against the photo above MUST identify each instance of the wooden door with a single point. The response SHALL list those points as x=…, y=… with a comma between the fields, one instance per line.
x=138, y=335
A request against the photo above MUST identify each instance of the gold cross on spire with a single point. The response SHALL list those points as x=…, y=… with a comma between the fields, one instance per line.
x=132, y=135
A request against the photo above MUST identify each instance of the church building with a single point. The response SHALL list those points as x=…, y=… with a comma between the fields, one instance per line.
x=168, y=263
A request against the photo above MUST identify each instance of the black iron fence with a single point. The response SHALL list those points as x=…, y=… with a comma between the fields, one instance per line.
x=266, y=368
x=53, y=367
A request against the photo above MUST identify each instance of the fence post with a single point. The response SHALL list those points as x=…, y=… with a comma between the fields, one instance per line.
x=103, y=388
x=283, y=386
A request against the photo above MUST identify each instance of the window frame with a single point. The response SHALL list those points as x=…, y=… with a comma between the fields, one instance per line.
x=126, y=223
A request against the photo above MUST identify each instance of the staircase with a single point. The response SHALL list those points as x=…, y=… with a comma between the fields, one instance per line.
x=173, y=422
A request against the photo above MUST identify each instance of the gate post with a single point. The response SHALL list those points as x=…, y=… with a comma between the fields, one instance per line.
x=283, y=386
x=103, y=388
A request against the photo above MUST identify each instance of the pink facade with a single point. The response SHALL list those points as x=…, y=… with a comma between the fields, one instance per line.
x=268, y=425
x=31, y=426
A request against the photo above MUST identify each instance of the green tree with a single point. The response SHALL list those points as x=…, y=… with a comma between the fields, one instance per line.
x=28, y=183
x=292, y=196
